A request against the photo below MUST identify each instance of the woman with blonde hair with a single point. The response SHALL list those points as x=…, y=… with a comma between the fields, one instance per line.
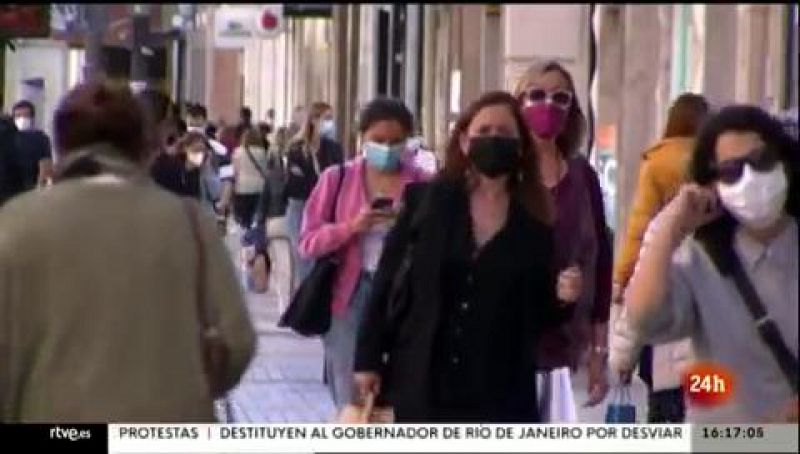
x=556, y=124
x=311, y=152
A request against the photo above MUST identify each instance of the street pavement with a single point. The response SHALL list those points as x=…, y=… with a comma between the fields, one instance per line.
x=283, y=383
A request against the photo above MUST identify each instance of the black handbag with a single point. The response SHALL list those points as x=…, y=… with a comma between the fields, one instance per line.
x=309, y=312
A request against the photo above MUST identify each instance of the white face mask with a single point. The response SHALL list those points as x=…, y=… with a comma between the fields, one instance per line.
x=196, y=158
x=199, y=129
x=23, y=123
x=758, y=198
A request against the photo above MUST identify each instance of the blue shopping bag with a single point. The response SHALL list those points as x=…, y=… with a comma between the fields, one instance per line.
x=621, y=410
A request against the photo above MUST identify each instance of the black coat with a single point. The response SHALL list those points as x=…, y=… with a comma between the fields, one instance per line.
x=513, y=297
x=299, y=186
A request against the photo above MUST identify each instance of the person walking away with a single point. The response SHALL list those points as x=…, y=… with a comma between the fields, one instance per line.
x=99, y=283
x=460, y=348
x=311, y=152
x=661, y=173
x=250, y=176
x=719, y=265
x=10, y=174
x=557, y=124
x=365, y=207
x=35, y=157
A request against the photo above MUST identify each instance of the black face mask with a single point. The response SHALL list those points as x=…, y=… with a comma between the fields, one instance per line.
x=494, y=156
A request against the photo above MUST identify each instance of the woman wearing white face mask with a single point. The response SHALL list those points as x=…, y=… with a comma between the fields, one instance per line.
x=732, y=230
x=198, y=179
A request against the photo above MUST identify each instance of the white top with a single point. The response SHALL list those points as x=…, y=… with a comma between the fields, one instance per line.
x=249, y=179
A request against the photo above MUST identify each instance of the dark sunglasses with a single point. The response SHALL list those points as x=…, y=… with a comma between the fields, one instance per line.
x=560, y=98
x=729, y=172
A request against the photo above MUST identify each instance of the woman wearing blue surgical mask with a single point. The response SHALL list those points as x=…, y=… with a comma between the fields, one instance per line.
x=312, y=151
x=363, y=195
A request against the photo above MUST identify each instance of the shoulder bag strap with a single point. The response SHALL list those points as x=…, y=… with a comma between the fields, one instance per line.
x=255, y=163
x=332, y=216
x=766, y=327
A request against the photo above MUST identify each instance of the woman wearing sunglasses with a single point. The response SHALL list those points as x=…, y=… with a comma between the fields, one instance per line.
x=582, y=247
x=735, y=223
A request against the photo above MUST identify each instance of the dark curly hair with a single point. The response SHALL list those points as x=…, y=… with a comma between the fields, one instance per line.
x=717, y=236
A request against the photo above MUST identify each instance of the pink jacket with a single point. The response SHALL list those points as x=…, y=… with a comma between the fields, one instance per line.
x=319, y=237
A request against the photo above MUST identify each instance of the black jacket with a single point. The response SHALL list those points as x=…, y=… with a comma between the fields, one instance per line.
x=299, y=186
x=513, y=298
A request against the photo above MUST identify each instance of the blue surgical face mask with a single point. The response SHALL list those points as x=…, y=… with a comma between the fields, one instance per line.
x=327, y=128
x=384, y=157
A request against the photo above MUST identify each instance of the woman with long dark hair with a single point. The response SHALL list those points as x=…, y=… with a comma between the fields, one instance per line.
x=719, y=264
x=482, y=286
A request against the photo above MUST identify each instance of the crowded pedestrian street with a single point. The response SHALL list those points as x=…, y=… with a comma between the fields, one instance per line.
x=399, y=213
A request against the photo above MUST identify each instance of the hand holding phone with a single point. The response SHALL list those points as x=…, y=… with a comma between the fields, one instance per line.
x=382, y=204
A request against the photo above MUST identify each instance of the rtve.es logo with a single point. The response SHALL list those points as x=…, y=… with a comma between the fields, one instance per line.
x=709, y=384
x=59, y=433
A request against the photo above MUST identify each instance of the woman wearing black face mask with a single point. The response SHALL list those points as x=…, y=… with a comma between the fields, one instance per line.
x=458, y=347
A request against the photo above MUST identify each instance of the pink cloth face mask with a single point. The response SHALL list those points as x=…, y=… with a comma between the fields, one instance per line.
x=545, y=120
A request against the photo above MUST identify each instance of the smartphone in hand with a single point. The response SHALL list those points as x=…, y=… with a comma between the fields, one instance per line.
x=382, y=204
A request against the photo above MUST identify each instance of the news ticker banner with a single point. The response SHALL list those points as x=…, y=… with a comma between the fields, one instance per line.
x=401, y=438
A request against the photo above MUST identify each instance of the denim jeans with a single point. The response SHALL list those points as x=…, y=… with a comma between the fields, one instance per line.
x=340, y=344
x=294, y=220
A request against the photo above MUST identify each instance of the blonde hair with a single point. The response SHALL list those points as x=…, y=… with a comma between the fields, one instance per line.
x=307, y=132
x=570, y=139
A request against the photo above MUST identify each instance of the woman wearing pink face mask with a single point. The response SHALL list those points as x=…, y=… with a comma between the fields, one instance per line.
x=582, y=246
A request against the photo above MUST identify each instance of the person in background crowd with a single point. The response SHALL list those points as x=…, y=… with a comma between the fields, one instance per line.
x=311, y=152
x=365, y=206
x=297, y=121
x=661, y=173
x=35, y=157
x=735, y=220
x=123, y=317
x=10, y=174
x=423, y=156
x=245, y=121
x=557, y=124
x=482, y=283
x=167, y=170
x=200, y=181
x=789, y=120
x=197, y=120
x=255, y=263
x=250, y=173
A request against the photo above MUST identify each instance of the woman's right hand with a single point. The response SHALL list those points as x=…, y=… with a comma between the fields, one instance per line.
x=365, y=220
x=694, y=207
x=367, y=383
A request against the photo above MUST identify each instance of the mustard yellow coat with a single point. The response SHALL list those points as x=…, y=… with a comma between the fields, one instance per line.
x=661, y=174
